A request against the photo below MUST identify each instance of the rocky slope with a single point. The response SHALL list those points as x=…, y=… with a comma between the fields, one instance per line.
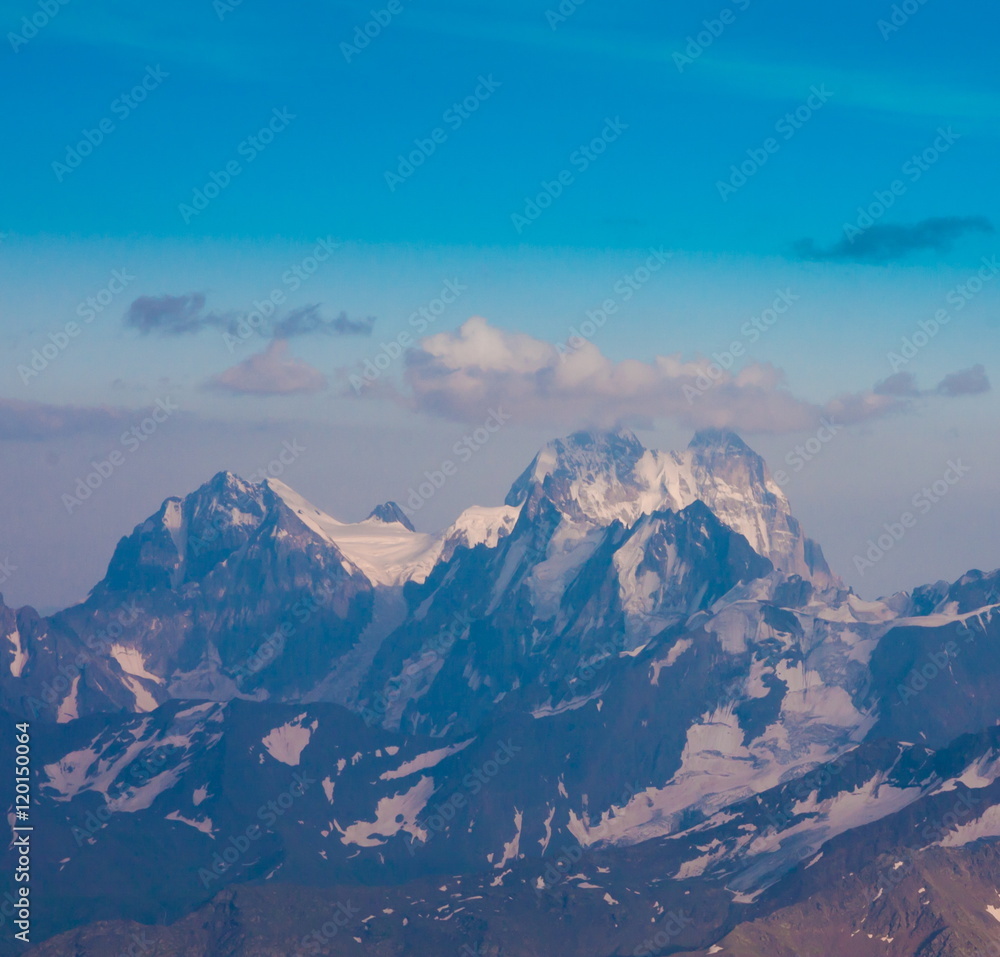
x=629, y=711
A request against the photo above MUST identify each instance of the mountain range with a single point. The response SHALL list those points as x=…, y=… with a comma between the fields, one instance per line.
x=630, y=711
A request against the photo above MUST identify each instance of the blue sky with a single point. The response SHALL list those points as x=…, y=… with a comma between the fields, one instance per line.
x=661, y=119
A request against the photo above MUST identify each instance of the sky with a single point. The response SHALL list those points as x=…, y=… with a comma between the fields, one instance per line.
x=360, y=230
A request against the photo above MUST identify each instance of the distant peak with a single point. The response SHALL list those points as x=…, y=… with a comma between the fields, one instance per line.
x=225, y=477
x=577, y=458
x=603, y=438
x=390, y=512
x=619, y=445
x=226, y=483
x=722, y=439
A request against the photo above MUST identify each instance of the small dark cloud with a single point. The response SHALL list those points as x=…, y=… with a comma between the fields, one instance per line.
x=186, y=315
x=971, y=381
x=308, y=320
x=901, y=384
x=38, y=420
x=885, y=242
x=172, y=315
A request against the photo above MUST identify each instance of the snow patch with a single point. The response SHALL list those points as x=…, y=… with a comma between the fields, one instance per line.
x=424, y=761
x=205, y=826
x=20, y=658
x=286, y=744
x=393, y=815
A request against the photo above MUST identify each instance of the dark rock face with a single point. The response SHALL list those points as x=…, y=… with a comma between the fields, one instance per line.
x=632, y=713
x=391, y=512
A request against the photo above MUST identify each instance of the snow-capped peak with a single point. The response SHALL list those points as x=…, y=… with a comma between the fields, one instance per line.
x=388, y=550
x=596, y=478
x=724, y=440
x=388, y=553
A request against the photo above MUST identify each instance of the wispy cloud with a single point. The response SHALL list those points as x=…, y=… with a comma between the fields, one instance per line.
x=37, y=420
x=884, y=242
x=309, y=319
x=971, y=381
x=186, y=315
x=172, y=315
x=902, y=384
x=733, y=71
x=270, y=373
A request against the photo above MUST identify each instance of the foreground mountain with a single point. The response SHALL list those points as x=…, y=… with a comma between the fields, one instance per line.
x=629, y=711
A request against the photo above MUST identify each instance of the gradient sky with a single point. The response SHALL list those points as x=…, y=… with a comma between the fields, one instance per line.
x=680, y=117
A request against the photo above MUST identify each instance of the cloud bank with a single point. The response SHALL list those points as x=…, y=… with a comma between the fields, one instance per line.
x=31, y=421
x=971, y=381
x=461, y=375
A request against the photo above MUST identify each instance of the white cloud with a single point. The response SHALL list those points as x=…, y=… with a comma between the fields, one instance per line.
x=461, y=374
x=271, y=372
